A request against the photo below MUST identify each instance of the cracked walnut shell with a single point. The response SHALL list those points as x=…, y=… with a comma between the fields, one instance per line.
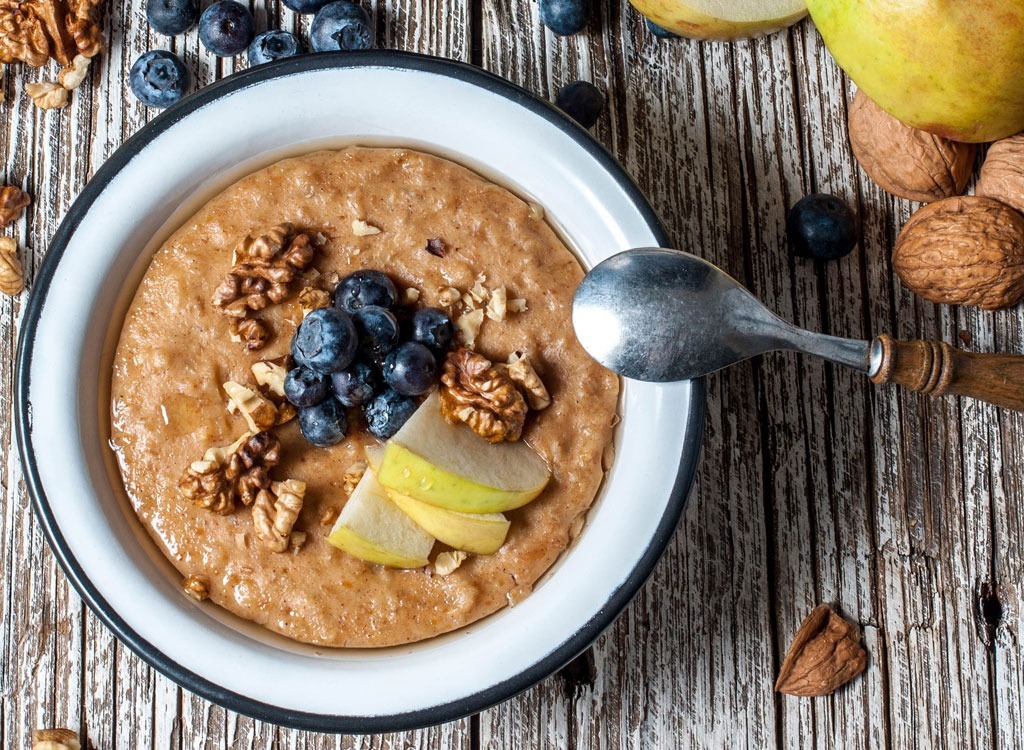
x=826, y=654
x=33, y=31
x=474, y=391
x=904, y=161
x=963, y=251
x=12, y=278
x=55, y=739
x=1002, y=172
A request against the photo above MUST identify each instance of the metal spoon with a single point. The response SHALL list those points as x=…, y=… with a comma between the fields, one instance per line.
x=663, y=315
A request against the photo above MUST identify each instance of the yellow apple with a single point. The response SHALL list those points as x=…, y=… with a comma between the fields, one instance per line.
x=480, y=533
x=452, y=467
x=722, y=19
x=374, y=529
x=951, y=67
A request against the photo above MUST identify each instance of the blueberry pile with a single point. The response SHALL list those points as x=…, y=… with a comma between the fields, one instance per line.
x=227, y=28
x=364, y=352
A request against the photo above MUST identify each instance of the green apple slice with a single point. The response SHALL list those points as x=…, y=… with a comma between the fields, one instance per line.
x=722, y=19
x=452, y=467
x=374, y=529
x=480, y=533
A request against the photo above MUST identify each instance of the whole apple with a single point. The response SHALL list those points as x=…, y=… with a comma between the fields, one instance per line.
x=951, y=67
x=722, y=19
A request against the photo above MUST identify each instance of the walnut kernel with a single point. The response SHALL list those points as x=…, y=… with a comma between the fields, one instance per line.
x=477, y=393
x=311, y=298
x=12, y=202
x=259, y=412
x=12, y=278
x=447, y=563
x=55, y=739
x=72, y=76
x=825, y=655
x=468, y=325
x=520, y=369
x=904, y=161
x=352, y=475
x=196, y=587
x=361, y=229
x=276, y=511
x=47, y=95
x=33, y=31
x=1002, y=172
x=963, y=251
x=270, y=376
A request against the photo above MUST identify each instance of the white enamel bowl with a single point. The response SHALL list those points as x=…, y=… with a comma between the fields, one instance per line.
x=74, y=315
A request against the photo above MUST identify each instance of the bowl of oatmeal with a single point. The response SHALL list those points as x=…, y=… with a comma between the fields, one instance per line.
x=143, y=380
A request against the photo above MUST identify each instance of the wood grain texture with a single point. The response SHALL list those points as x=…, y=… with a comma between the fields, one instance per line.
x=903, y=512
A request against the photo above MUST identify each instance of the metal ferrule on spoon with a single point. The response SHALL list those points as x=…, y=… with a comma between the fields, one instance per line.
x=664, y=315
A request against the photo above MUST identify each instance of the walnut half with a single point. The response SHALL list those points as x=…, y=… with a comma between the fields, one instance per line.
x=825, y=655
x=236, y=472
x=276, y=511
x=55, y=739
x=474, y=391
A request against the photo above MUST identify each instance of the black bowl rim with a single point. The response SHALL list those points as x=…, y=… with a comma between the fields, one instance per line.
x=334, y=723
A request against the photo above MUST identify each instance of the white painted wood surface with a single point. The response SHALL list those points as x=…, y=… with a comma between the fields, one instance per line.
x=813, y=486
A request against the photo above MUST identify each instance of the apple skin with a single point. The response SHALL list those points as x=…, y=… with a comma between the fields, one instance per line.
x=685, y=21
x=349, y=541
x=951, y=67
x=406, y=473
x=479, y=533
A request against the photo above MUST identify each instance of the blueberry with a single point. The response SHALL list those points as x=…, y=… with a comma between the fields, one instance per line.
x=432, y=328
x=377, y=328
x=305, y=387
x=326, y=341
x=357, y=384
x=226, y=28
x=410, y=369
x=159, y=78
x=564, y=17
x=170, y=17
x=305, y=6
x=822, y=227
x=273, y=45
x=341, y=25
x=365, y=288
x=582, y=101
x=325, y=424
x=660, y=32
x=387, y=411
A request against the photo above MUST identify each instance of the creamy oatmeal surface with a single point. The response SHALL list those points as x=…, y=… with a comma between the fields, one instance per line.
x=175, y=353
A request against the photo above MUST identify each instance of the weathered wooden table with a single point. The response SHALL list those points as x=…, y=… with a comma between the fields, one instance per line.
x=813, y=486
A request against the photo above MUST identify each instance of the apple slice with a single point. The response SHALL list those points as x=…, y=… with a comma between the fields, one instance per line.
x=480, y=533
x=374, y=529
x=452, y=467
x=722, y=19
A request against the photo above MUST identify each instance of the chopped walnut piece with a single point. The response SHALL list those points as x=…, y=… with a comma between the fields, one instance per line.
x=411, y=296
x=449, y=296
x=204, y=484
x=12, y=202
x=55, y=739
x=497, y=305
x=520, y=369
x=33, y=31
x=220, y=454
x=259, y=412
x=361, y=229
x=248, y=468
x=296, y=539
x=47, y=94
x=352, y=476
x=263, y=269
x=311, y=298
x=196, y=587
x=276, y=511
x=329, y=516
x=474, y=391
x=270, y=376
x=516, y=305
x=447, y=562
x=436, y=246
x=469, y=326
x=72, y=76
x=478, y=292
x=12, y=278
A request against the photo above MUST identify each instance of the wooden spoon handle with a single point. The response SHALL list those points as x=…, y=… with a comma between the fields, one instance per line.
x=939, y=369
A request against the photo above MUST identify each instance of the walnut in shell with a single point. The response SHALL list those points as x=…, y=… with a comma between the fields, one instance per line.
x=826, y=654
x=12, y=202
x=1002, y=172
x=904, y=161
x=963, y=251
